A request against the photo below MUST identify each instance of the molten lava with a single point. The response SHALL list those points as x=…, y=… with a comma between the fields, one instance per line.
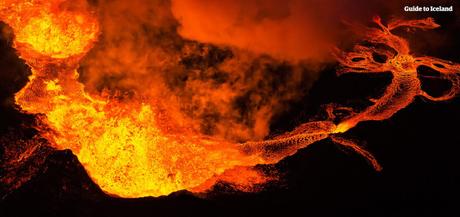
x=133, y=148
x=405, y=85
x=122, y=145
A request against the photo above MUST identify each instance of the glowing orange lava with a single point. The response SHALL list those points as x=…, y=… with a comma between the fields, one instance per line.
x=122, y=145
x=129, y=147
x=405, y=85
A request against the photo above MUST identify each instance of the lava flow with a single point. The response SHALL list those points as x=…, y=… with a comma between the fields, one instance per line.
x=132, y=148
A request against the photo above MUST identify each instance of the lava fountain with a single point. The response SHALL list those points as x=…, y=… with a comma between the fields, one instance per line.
x=122, y=145
x=134, y=149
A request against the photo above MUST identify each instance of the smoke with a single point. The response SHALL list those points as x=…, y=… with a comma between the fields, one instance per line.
x=284, y=29
x=222, y=68
x=289, y=29
x=214, y=89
